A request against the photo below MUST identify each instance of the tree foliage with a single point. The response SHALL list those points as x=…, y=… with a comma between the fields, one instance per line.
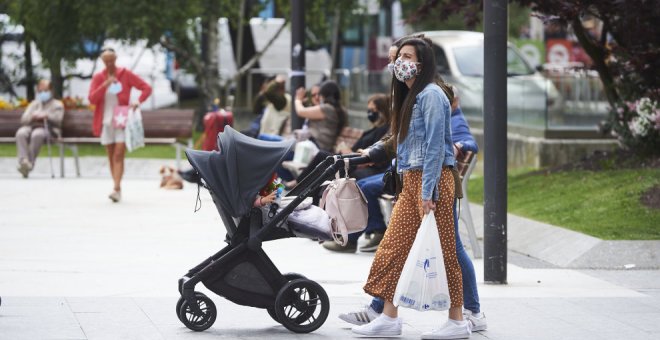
x=59, y=30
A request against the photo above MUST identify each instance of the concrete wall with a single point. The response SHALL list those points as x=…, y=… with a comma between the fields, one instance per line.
x=536, y=152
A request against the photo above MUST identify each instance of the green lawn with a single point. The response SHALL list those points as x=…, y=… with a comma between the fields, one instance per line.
x=603, y=204
x=150, y=151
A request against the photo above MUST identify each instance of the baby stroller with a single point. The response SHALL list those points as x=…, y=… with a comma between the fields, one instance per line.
x=242, y=272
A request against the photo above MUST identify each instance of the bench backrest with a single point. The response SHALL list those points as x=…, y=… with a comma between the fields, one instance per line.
x=163, y=123
x=348, y=137
x=463, y=161
x=10, y=121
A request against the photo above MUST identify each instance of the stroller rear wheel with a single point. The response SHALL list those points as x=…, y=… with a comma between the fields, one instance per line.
x=302, y=306
x=181, y=301
x=289, y=277
x=198, y=321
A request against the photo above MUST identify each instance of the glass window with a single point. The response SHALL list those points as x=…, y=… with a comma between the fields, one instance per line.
x=515, y=64
x=470, y=60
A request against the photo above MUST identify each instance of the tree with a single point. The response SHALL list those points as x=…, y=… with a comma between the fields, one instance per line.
x=59, y=29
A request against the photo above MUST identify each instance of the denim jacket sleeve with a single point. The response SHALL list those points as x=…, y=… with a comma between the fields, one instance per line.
x=435, y=109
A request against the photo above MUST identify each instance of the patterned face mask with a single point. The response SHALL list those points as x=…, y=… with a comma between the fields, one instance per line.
x=390, y=68
x=405, y=70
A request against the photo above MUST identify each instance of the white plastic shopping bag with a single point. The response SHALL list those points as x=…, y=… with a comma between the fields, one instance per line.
x=423, y=282
x=305, y=152
x=134, y=130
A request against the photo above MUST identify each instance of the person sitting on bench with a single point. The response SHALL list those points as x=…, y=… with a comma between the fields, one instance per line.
x=42, y=119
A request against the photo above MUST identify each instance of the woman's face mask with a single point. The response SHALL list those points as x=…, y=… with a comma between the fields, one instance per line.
x=44, y=96
x=115, y=87
x=405, y=70
x=372, y=116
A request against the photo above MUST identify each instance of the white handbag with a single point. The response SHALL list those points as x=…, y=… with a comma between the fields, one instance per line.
x=134, y=130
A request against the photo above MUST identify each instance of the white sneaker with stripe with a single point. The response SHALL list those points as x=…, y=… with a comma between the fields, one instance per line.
x=361, y=317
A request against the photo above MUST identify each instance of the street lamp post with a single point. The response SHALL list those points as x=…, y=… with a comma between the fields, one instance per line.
x=297, y=76
x=495, y=140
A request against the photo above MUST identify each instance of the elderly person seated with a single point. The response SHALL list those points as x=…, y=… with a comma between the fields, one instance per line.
x=42, y=119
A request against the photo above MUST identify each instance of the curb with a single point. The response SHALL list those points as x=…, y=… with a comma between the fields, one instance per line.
x=570, y=249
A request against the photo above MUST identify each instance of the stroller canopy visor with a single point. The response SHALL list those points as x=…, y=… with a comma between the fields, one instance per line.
x=240, y=169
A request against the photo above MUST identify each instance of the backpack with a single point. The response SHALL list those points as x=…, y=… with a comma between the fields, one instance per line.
x=346, y=205
x=214, y=123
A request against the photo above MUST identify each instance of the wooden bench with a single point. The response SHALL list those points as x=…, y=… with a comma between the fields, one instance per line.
x=465, y=167
x=164, y=127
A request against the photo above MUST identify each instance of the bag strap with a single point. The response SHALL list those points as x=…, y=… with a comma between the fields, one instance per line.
x=346, y=163
x=336, y=233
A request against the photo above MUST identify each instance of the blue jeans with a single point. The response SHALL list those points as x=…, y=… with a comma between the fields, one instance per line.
x=470, y=294
x=372, y=187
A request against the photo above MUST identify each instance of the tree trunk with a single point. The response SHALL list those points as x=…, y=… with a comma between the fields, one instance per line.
x=29, y=74
x=598, y=55
x=208, y=76
x=334, y=49
x=238, y=98
x=56, y=78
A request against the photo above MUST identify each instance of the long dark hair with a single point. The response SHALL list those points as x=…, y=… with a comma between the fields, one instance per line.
x=331, y=94
x=403, y=98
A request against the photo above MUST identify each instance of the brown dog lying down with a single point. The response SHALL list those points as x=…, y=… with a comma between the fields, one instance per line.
x=171, y=178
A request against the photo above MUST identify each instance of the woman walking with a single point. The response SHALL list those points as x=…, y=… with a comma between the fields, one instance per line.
x=422, y=139
x=110, y=93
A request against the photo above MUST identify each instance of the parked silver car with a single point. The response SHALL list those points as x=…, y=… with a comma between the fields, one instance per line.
x=531, y=98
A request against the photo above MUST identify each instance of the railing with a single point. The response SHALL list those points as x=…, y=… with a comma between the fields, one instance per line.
x=584, y=99
x=568, y=99
x=563, y=99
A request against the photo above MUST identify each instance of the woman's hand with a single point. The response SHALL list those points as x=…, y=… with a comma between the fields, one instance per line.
x=109, y=80
x=300, y=93
x=427, y=206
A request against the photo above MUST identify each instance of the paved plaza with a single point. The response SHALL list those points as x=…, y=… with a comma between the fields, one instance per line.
x=75, y=266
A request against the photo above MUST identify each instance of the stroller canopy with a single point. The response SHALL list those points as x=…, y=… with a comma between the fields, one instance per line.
x=243, y=166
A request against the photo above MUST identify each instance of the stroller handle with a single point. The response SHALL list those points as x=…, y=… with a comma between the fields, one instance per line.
x=354, y=158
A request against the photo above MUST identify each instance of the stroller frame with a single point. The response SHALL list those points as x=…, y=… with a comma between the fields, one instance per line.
x=290, y=299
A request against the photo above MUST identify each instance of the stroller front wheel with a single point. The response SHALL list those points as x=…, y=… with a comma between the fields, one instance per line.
x=302, y=306
x=181, y=301
x=198, y=321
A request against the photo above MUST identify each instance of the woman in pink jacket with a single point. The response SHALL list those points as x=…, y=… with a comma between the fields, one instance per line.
x=110, y=92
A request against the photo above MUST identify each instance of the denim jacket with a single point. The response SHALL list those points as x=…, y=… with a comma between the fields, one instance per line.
x=428, y=145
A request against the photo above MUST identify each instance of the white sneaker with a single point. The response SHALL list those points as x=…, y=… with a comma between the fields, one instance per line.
x=361, y=317
x=381, y=327
x=115, y=196
x=450, y=330
x=478, y=321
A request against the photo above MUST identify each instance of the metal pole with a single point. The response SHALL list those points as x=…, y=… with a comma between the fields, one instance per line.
x=297, y=76
x=495, y=141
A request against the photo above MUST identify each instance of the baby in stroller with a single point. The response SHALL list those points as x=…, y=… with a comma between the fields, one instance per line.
x=306, y=220
x=241, y=271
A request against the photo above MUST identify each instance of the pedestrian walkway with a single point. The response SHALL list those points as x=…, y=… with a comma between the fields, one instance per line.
x=75, y=266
